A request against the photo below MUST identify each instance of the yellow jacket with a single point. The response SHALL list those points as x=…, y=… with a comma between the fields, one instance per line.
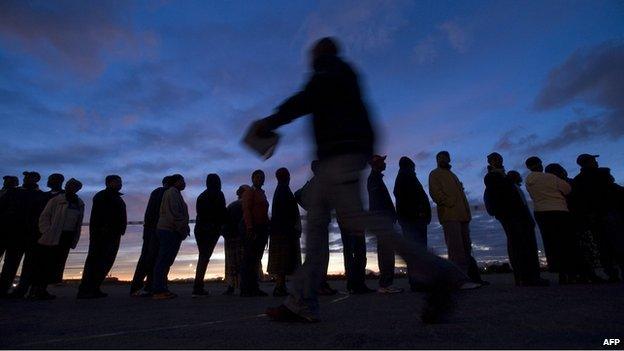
x=448, y=193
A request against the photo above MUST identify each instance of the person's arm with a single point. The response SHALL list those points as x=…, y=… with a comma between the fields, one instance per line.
x=296, y=106
x=45, y=219
x=124, y=217
x=563, y=186
x=437, y=192
x=176, y=209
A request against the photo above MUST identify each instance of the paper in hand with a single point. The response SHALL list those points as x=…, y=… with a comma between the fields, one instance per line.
x=263, y=144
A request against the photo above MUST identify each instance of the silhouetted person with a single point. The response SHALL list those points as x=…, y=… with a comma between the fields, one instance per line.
x=344, y=144
x=454, y=215
x=284, y=245
x=106, y=226
x=506, y=202
x=256, y=218
x=380, y=204
x=211, y=216
x=413, y=208
x=234, y=235
x=597, y=198
x=55, y=184
x=353, y=247
x=142, y=281
x=60, y=224
x=584, y=238
x=9, y=184
x=23, y=209
x=553, y=218
x=173, y=228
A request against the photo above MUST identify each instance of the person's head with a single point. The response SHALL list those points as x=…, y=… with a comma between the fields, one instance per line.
x=324, y=47
x=30, y=178
x=166, y=181
x=534, y=164
x=113, y=182
x=177, y=181
x=283, y=176
x=495, y=160
x=72, y=186
x=241, y=190
x=213, y=182
x=557, y=169
x=587, y=161
x=314, y=166
x=257, y=178
x=406, y=163
x=10, y=181
x=55, y=181
x=443, y=158
x=515, y=177
x=378, y=163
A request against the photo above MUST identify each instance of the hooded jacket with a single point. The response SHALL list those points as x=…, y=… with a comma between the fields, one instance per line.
x=340, y=118
x=210, y=205
x=52, y=220
x=412, y=202
x=285, y=216
x=379, y=199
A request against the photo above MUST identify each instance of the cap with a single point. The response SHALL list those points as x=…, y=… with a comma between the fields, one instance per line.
x=35, y=175
x=583, y=158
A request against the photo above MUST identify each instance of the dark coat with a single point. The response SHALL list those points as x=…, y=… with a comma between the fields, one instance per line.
x=379, y=199
x=235, y=228
x=108, y=213
x=152, y=211
x=284, y=245
x=21, y=207
x=211, y=211
x=503, y=198
x=594, y=192
x=340, y=119
x=412, y=202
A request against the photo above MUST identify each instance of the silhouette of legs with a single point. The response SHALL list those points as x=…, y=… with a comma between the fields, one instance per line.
x=169, y=245
x=206, y=242
x=103, y=248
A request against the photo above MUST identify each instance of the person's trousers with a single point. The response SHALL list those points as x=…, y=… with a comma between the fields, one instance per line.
x=252, y=255
x=29, y=266
x=12, y=259
x=522, y=249
x=610, y=230
x=385, y=256
x=459, y=245
x=169, y=245
x=415, y=231
x=206, y=242
x=560, y=241
x=143, y=274
x=50, y=260
x=354, y=253
x=338, y=187
x=103, y=248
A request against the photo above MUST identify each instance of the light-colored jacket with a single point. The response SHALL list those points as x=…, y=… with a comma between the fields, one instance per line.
x=448, y=193
x=52, y=219
x=547, y=191
x=174, y=214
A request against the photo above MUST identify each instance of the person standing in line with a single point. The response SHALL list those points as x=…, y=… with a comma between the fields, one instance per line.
x=142, y=281
x=55, y=184
x=505, y=201
x=211, y=216
x=345, y=141
x=59, y=224
x=256, y=218
x=234, y=234
x=23, y=208
x=106, y=227
x=9, y=184
x=598, y=200
x=173, y=228
x=454, y=215
x=380, y=204
x=413, y=208
x=284, y=245
x=548, y=193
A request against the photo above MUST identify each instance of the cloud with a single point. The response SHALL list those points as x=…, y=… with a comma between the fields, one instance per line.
x=458, y=37
x=448, y=33
x=426, y=50
x=73, y=35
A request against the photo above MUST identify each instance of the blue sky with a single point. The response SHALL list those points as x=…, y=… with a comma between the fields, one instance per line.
x=149, y=88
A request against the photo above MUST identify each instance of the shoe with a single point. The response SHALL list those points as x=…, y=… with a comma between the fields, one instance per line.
x=141, y=293
x=282, y=313
x=229, y=291
x=483, y=282
x=470, y=286
x=41, y=296
x=439, y=306
x=16, y=294
x=280, y=292
x=164, y=295
x=389, y=290
x=200, y=293
x=361, y=290
x=256, y=293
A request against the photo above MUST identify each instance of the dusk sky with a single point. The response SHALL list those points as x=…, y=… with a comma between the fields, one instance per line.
x=149, y=88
